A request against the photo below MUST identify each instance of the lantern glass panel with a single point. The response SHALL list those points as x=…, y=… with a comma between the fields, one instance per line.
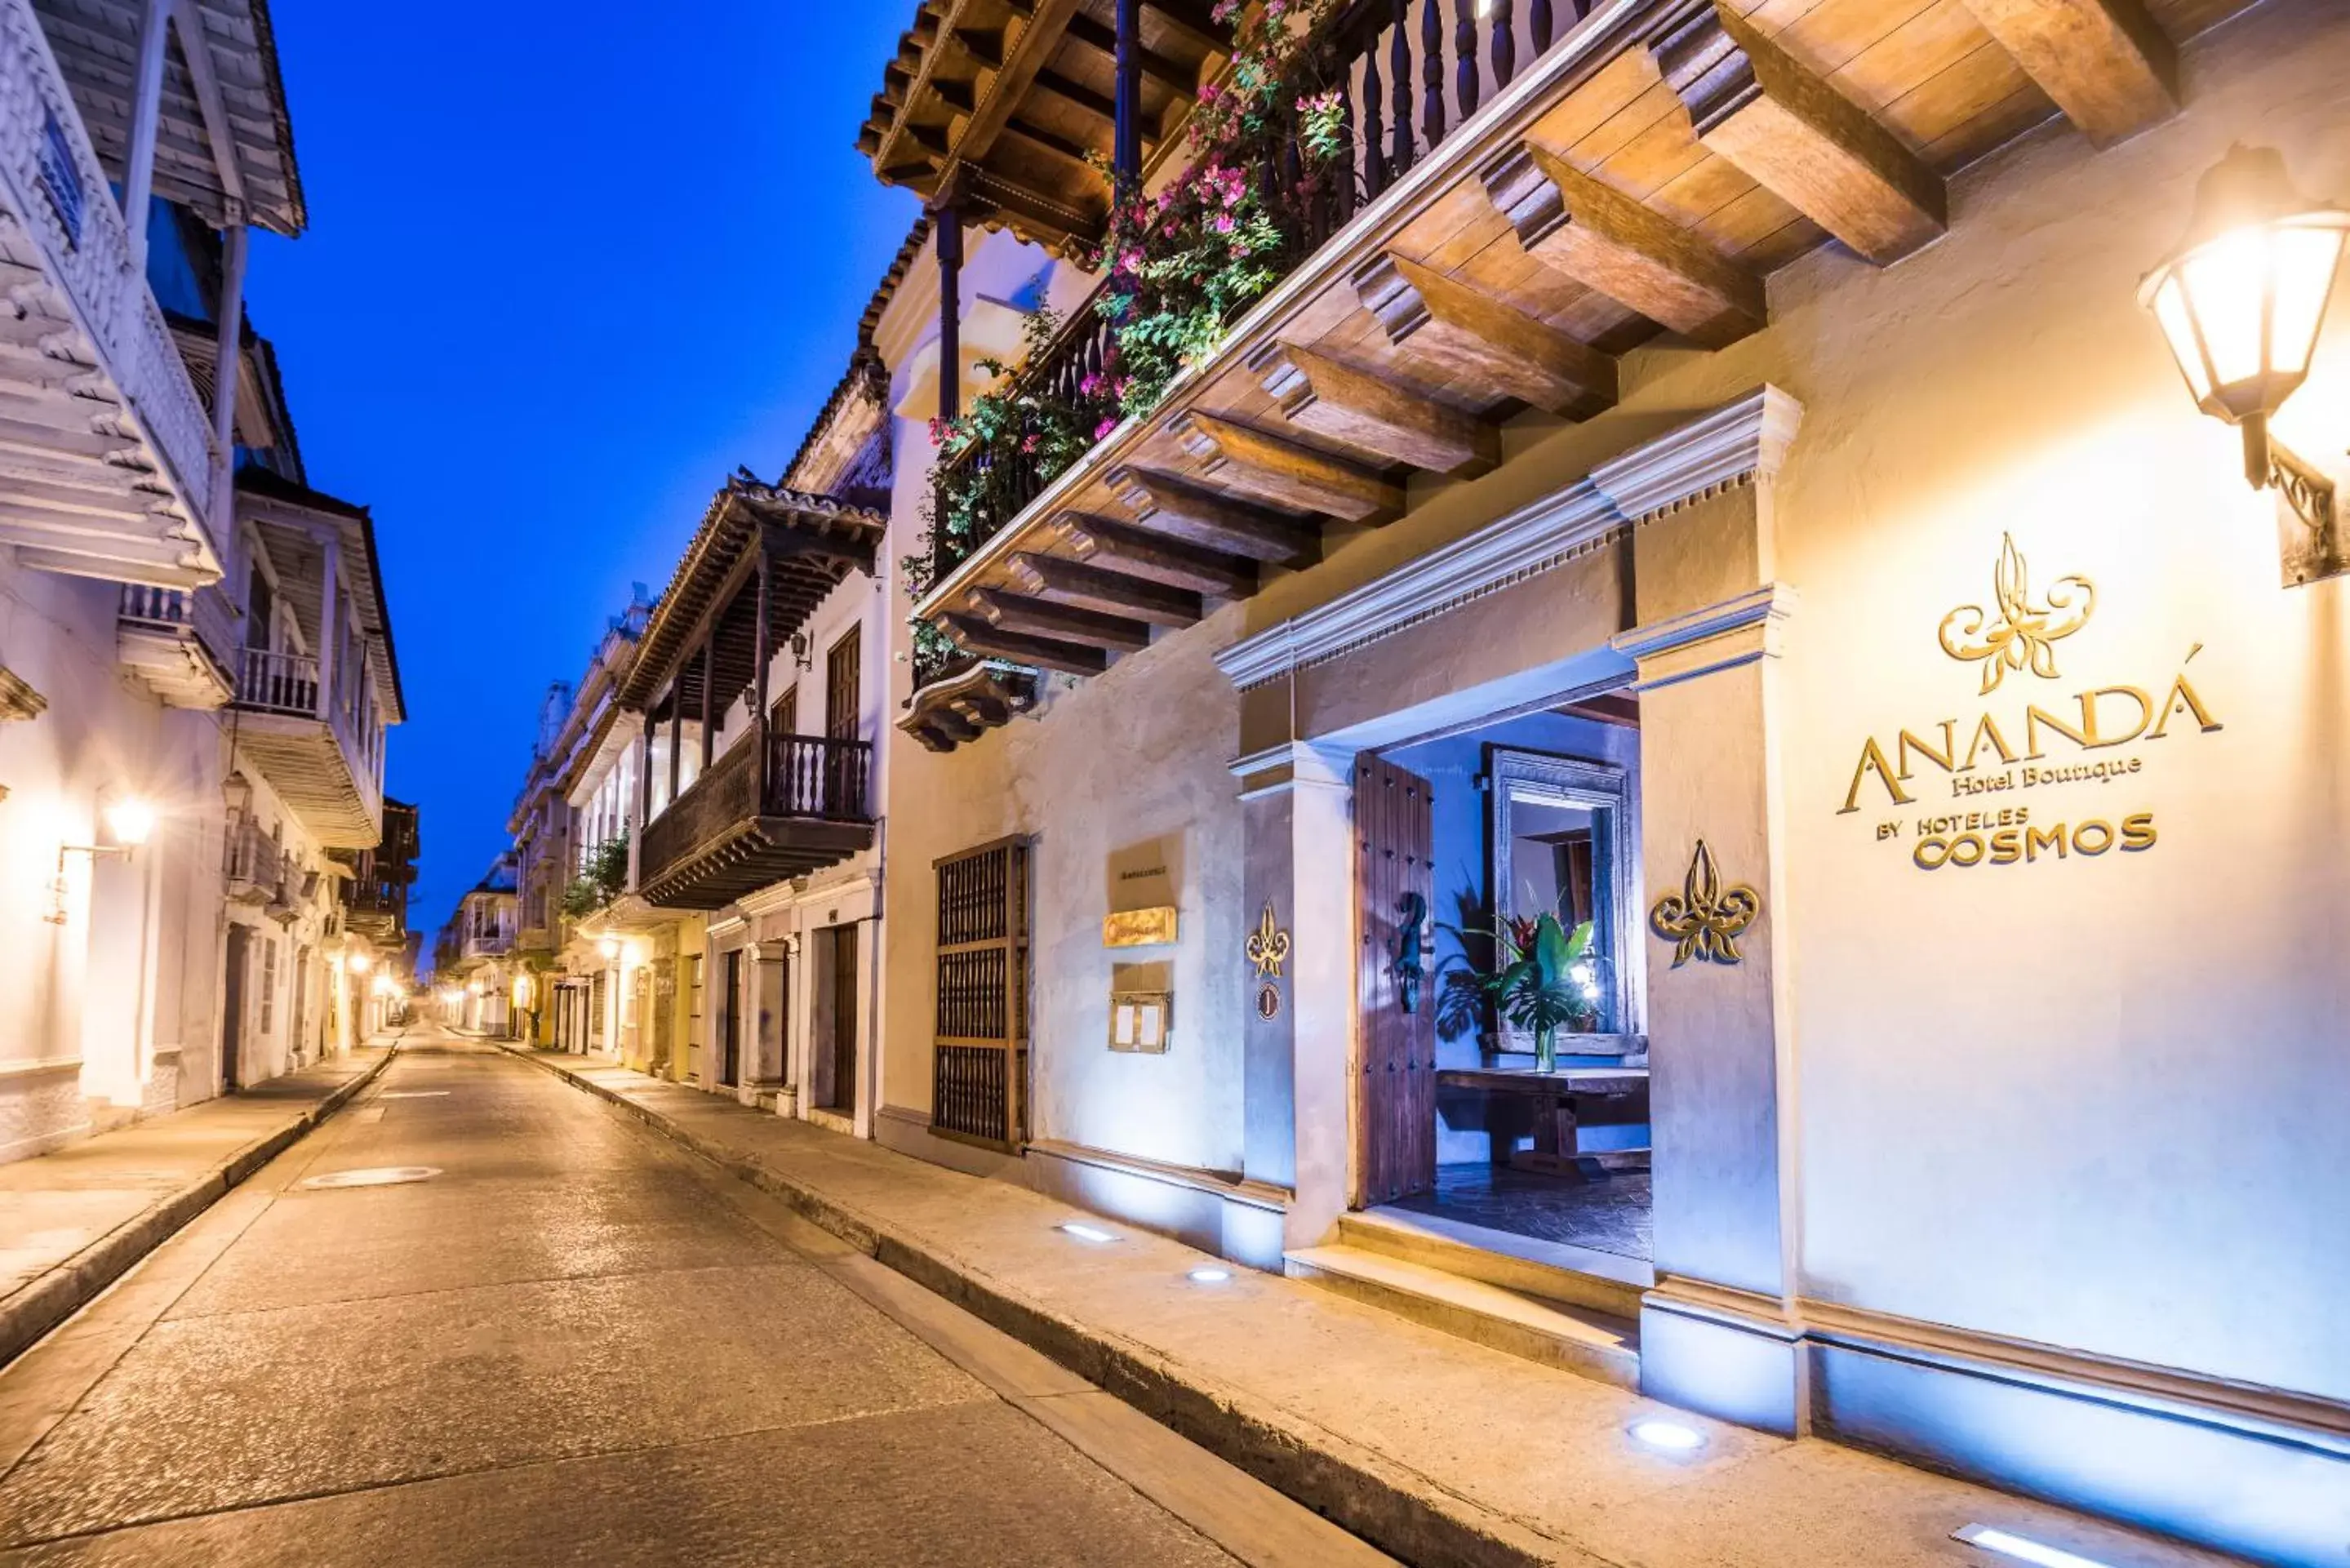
x=2179, y=327
x=2305, y=262
x=2226, y=287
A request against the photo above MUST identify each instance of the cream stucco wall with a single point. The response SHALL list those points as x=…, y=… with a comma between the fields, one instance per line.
x=2086, y=1102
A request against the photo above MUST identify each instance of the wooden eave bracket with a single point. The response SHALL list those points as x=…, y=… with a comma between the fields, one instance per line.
x=2106, y=62
x=1754, y=105
x=1111, y=546
x=1283, y=474
x=1008, y=611
x=1461, y=330
x=1374, y=414
x=1607, y=242
x=1045, y=652
x=1210, y=520
x=18, y=698
x=1084, y=586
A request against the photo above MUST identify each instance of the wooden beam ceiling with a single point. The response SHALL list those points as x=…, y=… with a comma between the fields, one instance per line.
x=1238, y=457
x=1768, y=116
x=1375, y=414
x=2104, y=62
x=1462, y=332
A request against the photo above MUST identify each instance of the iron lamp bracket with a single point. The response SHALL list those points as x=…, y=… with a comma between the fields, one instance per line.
x=2312, y=532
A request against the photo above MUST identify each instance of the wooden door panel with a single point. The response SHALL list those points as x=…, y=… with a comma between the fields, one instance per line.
x=1395, y=888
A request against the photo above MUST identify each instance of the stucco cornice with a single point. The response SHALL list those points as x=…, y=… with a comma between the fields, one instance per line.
x=1740, y=440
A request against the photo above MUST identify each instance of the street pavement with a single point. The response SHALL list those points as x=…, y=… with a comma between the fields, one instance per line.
x=570, y=1343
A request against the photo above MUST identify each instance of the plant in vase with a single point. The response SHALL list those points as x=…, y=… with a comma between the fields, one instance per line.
x=1545, y=981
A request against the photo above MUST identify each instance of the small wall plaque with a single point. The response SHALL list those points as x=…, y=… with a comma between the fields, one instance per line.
x=1139, y=1021
x=1139, y=928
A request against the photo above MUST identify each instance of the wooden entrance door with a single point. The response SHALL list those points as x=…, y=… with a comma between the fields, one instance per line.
x=843, y=1044
x=1395, y=899
x=233, y=1008
x=730, y=1022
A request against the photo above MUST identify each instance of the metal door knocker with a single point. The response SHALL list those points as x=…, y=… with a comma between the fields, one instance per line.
x=1408, y=948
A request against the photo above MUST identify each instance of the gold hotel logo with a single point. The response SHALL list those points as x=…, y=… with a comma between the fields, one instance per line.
x=2090, y=738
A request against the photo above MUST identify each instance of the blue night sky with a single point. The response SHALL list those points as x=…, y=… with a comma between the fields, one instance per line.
x=565, y=271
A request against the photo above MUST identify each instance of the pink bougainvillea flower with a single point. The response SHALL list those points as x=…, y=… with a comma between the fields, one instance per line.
x=1101, y=431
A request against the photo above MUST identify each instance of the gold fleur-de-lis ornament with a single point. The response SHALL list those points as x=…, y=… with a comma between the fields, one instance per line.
x=1705, y=918
x=2024, y=634
x=1268, y=946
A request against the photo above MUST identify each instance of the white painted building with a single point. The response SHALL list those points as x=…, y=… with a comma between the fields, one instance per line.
x=195, y=700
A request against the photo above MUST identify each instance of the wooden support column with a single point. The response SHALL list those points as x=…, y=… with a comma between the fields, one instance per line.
x=1375, y=414
x=1284, y=473
x=644, y=799
x=676, y=734
x=1463, y=331
x=1607, y=241
x=146, y=117
x=2107, y=63
x=949, y=224
x=709, y=697
x=1126, y=156
x=762, y=650
x=227, y=352
x=330, y=624
x=1756, y=106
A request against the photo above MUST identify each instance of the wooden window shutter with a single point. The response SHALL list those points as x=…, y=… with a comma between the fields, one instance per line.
x=843, y=677
x=980, y=1081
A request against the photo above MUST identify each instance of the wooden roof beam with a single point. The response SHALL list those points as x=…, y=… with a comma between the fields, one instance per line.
x=1196, y=21
x=2107, y=63
x=1084, y=31
x=1042, y=617
x=1086, y=586
x=1045, y=652
x=1235, y=457
x=1376, y=414
x=1166, y=504
x=1461, y=330
x=1129, y=551
x=1607, y=241
x=1754, y=105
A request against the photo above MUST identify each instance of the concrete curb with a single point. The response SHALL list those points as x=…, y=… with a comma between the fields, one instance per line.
x=41, y=1303
x=1388, y=1504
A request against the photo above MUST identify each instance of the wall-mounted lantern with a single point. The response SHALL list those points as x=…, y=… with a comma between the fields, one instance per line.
x=130, y=823
x=2240, y=301
x=611, y=948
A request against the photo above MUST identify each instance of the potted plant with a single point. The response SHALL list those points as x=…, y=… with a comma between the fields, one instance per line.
x=1544, y=982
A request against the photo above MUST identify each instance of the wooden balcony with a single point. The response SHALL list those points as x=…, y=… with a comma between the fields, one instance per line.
x=759, y=816
x=108, y=448
x=307, y=743
x=1525, y=192
x=180, y=643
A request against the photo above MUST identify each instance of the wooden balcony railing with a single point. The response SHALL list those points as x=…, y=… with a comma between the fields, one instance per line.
x=278, y=682
x=202, y=614
x=807, y=777
x=1401, y=94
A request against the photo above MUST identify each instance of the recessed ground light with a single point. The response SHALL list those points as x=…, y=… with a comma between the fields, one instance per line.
x=1084, y=1233
x=1209, y=1275
x=376, y=1176
x=413, y=1094
x=1670, y=1436
x=2022, y=1548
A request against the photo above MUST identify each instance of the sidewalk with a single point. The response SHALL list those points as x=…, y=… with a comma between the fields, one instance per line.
x=73, y=1221
x=1437, y=1451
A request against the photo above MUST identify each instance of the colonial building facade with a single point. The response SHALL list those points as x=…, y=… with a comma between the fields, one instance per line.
x=198, y=661
x=1667, y=713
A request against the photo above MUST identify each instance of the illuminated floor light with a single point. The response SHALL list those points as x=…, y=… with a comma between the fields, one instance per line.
x=1084, y=1233
x=1209, y=1276
x=378, y=1176
x=2022, y=1548
x=1670, y=1436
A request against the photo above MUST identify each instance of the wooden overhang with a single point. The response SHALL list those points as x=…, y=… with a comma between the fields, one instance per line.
x=224, y=146
x=812, y=543
x=999, y=105
x=966, y=702
x=1645, y=175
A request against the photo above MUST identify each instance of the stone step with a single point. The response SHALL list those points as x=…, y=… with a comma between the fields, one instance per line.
x=1569, y=1276
x=1575, y=1339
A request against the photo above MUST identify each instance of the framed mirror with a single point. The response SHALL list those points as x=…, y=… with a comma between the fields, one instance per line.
x=1563, y=841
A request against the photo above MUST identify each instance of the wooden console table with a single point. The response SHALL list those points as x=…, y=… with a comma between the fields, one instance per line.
x=1565, y=1100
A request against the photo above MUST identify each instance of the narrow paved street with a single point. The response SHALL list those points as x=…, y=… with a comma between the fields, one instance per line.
x=568, y=1342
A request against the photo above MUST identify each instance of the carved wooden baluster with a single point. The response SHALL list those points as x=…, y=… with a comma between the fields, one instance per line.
x=1505, y=44
x=1375, y=160
x=1538, y=23
x=1464, y=55
x=1399, y=147
x=1342, y=171
x=1431, y=71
